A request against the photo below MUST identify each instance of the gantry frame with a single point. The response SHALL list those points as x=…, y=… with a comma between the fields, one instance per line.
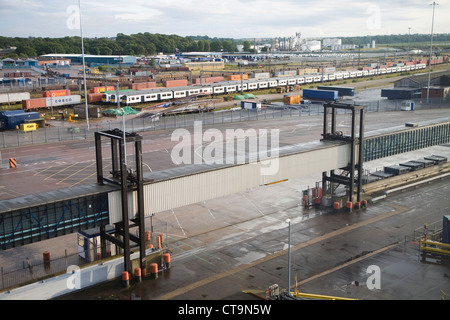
x=330, y=133
x=128, y=180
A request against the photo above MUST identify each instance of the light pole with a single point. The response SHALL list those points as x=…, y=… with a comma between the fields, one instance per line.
x=289, y=258
x=124, y=136
x=84, y=69
x=431, y=50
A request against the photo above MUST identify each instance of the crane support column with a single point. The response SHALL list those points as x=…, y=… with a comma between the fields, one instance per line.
x=129, y=179
x=348, y=176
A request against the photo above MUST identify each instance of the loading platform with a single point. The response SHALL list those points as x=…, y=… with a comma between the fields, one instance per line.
x=37, y=217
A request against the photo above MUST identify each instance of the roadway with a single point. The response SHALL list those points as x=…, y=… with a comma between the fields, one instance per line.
x=239, y=243
x=58, y=165
x=234, y=243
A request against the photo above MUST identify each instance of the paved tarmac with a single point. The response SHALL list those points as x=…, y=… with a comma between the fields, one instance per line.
x=226, y=245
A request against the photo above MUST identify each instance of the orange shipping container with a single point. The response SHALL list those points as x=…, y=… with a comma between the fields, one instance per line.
x=95, y=97
x=34, y=103
x=102, y=89
x=175, y=83
x=55, y=93
x=292, y=99
x=142, y=85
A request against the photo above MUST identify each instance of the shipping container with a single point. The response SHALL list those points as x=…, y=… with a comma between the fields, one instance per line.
x=292, y=99
x=10, y=121
x=251, y=105
x=175, y=83
x=207, y=80
x=13, y=98
x=94, y=97
x=142, y=85
x=342, y=91
x=320, y=94
x=28, y=127
x=63, y=101
x=101, y=89
x=55, y=93
x=34, y=103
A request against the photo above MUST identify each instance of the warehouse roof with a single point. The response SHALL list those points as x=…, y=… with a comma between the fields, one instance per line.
x=423, y=77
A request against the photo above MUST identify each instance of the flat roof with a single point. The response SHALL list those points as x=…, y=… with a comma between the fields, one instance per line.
x=76, y=55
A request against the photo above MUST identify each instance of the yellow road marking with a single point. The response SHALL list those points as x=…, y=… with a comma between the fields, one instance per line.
x=76, y=172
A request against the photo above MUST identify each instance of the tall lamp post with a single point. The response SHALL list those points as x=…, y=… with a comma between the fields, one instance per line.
x=289, y=258
x=84, y=69
x=431, y=50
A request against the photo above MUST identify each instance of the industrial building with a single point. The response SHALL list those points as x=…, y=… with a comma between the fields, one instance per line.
x=420, y=81
x=95, y=60
x=417, y=86
x=18, y=63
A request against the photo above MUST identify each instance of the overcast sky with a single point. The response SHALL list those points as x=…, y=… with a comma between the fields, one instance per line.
x=223, y=19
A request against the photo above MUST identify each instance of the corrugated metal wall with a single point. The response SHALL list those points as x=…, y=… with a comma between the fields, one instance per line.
x=174, y=193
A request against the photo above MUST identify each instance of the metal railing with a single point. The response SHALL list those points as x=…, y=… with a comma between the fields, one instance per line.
x=31, y=271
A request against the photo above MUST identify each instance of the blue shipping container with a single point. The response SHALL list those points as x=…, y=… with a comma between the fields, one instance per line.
x=320, y=94
x=342, y=91
x=9, y=122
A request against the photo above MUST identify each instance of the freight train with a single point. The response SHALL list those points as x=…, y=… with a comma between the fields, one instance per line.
x=222, y=87
x=225, y=87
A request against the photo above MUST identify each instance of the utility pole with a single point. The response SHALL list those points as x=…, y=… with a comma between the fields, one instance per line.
x=431, y=52
x=84, y=70
x=409, y=36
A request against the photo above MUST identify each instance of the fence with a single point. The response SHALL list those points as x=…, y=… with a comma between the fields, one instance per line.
x=29, y=271
x=141, y=123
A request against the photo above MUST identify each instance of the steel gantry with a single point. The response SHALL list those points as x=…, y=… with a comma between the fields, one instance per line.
x=128, y=180
x=330, y=133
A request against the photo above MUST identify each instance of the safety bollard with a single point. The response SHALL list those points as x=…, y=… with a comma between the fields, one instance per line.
x=137, y=274
x=154, y=271
x=125, y=279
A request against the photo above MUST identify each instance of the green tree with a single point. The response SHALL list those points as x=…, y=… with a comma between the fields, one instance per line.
x=229, y=46
x=216, y=46
x=247, y=45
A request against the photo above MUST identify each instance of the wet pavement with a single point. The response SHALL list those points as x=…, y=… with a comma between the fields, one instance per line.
x=239, y=242
x=331, y=252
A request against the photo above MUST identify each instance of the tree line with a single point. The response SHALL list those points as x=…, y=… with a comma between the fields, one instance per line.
x=149, y=44
x=396, y=38
x=135, y=44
